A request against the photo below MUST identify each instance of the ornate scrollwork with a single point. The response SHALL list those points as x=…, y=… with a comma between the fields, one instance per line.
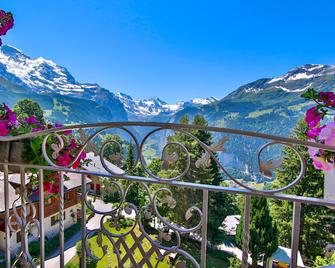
x=172, y=153
x=111, y=219
x=25, y=223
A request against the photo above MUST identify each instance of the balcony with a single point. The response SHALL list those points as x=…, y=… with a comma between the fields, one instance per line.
x=136, y=233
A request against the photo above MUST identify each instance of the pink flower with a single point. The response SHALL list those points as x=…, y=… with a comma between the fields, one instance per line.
x=314, y=132
x=312, y=151
x=320, y=162
x=327, y=134
x=313, y=117
x=3, y=128
x=31, y=120
x=64, y=160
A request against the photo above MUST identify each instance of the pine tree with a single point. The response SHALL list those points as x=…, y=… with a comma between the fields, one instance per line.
x=135, y=193
x=263, y=231
x=317, y=223
x=26, y=107
x=220, y=204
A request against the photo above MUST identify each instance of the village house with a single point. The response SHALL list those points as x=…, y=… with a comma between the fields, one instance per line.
x=95, y=165
x=51, y=208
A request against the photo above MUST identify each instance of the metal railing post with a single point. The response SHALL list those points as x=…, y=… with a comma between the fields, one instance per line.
x=246, y=232
x=41, y=217
x=61, y=219
x=7, y=231
x=83, y=222
x=204, y=228
x=23, y=232
x=295, y=234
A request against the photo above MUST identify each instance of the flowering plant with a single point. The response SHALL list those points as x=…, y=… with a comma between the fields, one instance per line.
x=320, y=129
x=64, y=156
x=6, y=23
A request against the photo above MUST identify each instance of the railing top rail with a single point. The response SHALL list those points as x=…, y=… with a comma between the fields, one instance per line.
x=190, y=185
x=172, y=126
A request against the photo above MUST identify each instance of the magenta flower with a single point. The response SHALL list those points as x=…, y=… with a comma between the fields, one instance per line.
x=82, y=155
x=67, y=132
x=6, y=22
x=313, y=117
x=64, y=160
x=4, y=128
x=40, y=128
x=73, y=144
x=328, y=98
x=314, y=132
x=31, y=120
x=11, y=116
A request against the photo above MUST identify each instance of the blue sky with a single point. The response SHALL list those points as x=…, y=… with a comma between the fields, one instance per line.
x=174, y=49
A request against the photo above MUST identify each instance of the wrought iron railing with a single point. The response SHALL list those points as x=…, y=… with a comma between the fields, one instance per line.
x=21, y=216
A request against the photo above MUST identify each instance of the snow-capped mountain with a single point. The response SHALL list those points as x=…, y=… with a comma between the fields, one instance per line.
x=154, y=106
x=268, y=105
x=297, y=80
x=44, y=76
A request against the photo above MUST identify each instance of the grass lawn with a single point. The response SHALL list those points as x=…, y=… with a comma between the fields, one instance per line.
x=215, y=259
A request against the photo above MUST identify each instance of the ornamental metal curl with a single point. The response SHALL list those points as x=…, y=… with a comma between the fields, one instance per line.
x=111, y=219
x=170, y=156
x=25, y=223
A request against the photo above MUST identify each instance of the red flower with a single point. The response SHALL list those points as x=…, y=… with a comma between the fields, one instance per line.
x=77, y=162
x=3, y=128
x=64, y=160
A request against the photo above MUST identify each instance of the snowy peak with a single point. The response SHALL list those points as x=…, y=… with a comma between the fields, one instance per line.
x=204, y=101
x=37, y=74
x=155, y=106
x=298, y=79
x=152, y=106
x=307, y=71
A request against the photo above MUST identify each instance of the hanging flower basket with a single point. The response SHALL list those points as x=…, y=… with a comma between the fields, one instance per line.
x=29, y=151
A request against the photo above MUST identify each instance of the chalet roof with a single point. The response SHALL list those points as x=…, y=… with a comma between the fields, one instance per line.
x=230, y=223
x=14, y=181
x=283, y=254
x=95, y=164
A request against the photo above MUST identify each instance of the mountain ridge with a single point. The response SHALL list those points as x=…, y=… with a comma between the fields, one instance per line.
x=267, y=105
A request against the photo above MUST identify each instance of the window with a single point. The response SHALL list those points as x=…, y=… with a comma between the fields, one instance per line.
x=18, y=237
x=54, y=220
x=67, y=196
x=48, y=201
